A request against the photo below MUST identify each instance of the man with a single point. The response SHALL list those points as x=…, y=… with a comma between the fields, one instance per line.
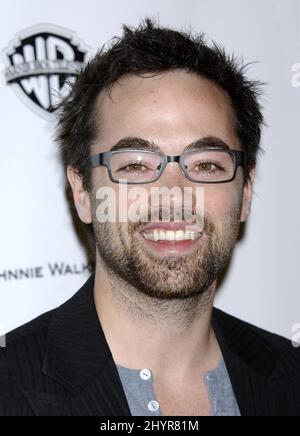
x=159, y=108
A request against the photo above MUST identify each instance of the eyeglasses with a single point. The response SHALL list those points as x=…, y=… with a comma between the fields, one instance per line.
x=209, y=165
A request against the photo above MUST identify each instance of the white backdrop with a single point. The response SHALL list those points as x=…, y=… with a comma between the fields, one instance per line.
x=36, y=231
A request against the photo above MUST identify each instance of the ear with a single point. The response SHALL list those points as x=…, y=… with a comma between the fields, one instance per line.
x=247, y=196
x=80, y=195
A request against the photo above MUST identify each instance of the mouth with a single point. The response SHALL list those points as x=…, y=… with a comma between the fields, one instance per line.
x=171, y=239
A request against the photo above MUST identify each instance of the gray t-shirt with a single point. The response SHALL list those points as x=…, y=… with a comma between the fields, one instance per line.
x=139, y=391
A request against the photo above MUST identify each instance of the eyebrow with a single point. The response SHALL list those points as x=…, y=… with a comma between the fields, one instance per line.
x=137, y=143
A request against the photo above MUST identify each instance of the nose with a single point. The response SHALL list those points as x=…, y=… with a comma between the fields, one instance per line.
x=175, y=181
x=173, y=176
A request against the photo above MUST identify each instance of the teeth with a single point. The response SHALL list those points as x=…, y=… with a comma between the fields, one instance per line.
x=180, y=234
x=169, y=235
x=162, y=235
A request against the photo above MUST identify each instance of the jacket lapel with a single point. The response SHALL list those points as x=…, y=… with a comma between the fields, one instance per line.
x=103, y=397
x=79, y=360
x=260, y=377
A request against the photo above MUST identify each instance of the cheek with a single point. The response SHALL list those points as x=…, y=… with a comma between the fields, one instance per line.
x=221, y=201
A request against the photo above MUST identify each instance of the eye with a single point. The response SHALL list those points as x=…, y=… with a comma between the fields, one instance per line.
x=135, y=166
x=206, y=166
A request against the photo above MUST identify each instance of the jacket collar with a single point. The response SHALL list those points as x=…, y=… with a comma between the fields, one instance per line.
x=77, y=349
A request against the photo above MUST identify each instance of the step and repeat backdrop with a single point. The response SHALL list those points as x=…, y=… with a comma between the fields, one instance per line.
x=43, y=261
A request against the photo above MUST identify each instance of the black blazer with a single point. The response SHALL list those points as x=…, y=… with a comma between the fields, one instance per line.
x=60, y=365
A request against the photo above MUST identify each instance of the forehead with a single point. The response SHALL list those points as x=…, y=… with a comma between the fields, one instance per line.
x=170, y=109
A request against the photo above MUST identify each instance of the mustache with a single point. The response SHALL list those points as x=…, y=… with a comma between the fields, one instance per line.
x=165, y=214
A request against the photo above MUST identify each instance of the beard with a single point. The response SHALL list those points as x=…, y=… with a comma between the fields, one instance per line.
x=163, y=278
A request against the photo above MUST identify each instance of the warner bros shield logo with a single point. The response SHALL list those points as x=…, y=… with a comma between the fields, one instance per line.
x=41, y=62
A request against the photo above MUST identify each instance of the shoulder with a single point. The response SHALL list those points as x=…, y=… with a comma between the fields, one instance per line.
x=21, y=364
x=259, y=342
x=230, y=323
x=23, y=358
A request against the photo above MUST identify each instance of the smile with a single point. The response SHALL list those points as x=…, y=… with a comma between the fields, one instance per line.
x=169, y=235
x=171, y=239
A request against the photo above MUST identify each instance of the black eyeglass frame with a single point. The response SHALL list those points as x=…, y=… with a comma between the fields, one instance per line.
x=104, y=159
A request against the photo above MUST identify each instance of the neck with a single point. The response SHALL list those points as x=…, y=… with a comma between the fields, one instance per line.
x=144, y=332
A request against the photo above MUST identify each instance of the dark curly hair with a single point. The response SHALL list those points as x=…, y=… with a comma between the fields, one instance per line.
x=150, y=48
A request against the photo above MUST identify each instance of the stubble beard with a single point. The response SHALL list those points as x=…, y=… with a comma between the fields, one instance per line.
x=153, y=285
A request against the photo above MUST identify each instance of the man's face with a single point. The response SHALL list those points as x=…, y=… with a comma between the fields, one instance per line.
x=172, y=110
